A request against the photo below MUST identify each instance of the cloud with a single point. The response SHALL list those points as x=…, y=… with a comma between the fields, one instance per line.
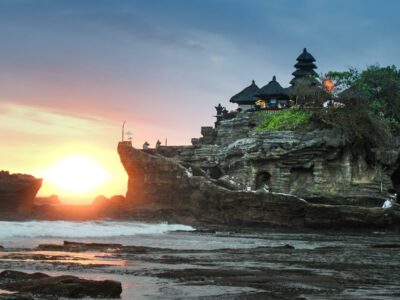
x=26, y=120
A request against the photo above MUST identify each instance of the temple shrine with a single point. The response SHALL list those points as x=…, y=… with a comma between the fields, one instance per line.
x=247, y=98
x=304, y=67
x=273, y=97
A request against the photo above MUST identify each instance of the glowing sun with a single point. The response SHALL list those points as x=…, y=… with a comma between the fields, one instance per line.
x=77, y=174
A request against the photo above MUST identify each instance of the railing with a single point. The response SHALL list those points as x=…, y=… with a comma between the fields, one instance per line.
x=271, y=111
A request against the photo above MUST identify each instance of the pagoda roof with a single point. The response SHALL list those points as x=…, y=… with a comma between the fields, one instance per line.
x=305, y=65
x=272, y=89
x=247, y=95
x=305, y=56
x=302, y=72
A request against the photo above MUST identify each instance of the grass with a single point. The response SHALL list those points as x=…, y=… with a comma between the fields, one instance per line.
x=287, y=119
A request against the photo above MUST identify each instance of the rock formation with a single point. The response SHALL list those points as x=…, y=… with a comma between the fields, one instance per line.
x=43, y=285
x=17, y=192
x=234, y=175
x=318, y=166
x=175, y=196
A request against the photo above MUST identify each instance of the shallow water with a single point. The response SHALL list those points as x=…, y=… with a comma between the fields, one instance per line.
x=322, y=265
x=34, y=229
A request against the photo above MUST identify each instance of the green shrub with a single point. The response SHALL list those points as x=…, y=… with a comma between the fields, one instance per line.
x=287, y=119
x=363, y=130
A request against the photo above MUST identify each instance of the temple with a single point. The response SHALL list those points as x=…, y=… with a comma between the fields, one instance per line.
x=273, y=97
x=247, y=98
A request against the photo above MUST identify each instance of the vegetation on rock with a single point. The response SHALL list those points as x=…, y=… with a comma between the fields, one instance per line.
x=368, y=114
x=376, y=89
x=363, y=130
x=371, y=111
x=287, y=119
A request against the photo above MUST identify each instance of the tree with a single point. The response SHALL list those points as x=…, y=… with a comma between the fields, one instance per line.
x=378, y=87
x=343, y=80
x=309, y=92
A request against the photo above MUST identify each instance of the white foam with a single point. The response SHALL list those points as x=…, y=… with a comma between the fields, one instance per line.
x=68, y=229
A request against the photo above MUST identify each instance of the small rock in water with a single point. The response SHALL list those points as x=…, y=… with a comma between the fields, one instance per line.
x=286, y=246
x=60, y=286
x=77, y=246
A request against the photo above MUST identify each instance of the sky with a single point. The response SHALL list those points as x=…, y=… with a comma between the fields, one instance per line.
x=71, y=71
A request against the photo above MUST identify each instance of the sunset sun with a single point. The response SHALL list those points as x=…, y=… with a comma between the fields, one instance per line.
x=77, y=175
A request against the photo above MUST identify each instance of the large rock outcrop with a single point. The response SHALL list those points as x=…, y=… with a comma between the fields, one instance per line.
x=319, y=166
x=165, y=188
x=161, y=187
x=17, y=192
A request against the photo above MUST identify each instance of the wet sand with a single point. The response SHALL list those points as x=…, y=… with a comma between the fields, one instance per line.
x=226, y=265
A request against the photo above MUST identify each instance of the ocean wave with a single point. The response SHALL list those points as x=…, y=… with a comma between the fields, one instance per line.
x=67, y=229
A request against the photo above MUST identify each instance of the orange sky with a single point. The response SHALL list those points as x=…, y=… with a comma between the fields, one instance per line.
x=39, y=138
x=42, y=134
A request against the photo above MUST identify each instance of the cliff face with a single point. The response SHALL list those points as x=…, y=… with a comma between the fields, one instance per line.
x=318, y=166
x=17, y=192
x=160, y=187
x=165, y=188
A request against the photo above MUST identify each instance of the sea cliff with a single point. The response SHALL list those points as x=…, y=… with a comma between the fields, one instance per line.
x=234, y=175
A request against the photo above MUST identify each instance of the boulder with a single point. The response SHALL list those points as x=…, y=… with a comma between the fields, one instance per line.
x=118, y=200
x=101, y=201
x=50, y=200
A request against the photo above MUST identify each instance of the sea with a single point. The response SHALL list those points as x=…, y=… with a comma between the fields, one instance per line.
x=29, y=234
x=138, y=273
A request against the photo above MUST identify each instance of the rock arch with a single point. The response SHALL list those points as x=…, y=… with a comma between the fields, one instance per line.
x=263, y=178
